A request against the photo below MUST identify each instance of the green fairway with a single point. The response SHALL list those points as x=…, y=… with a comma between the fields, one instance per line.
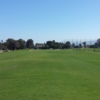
x=50, y=75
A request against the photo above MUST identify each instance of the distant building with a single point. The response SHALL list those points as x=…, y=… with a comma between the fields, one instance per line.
x=39, y=46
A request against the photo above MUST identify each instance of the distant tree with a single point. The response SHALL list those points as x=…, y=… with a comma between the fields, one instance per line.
x=54, y=45
x=10, y=44
x=92, y=46
x=29, y=43
x=50, y=44
x=84, y=43
x=98, y=42
x=22, y=44
x=1, y=45
x=17, y=44
x=60, y=45
x=96, y=45
x=67, y=45
x=46, y=46
x=80, y=45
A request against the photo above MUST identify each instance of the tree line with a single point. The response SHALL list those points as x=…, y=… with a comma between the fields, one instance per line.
x=12, y=44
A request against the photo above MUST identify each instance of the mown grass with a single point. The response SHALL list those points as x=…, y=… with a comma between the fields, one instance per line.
x=50, y=75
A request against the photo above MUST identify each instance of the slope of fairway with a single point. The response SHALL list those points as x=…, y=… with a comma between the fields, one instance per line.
x=50, y=75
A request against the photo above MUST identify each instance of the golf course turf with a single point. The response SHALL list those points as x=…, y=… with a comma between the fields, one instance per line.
x=50, y=75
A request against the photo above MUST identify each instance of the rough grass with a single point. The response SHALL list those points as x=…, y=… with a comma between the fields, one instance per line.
x=50, y=75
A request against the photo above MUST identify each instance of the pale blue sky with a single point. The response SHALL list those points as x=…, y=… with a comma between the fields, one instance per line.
x=43, y=20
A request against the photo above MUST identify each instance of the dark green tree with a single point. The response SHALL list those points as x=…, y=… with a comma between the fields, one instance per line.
x=67, y=45
x=84, y=43
x=98, y=42
x=17, y=44
x=80, y=45
x=29, y=43
x=10, y=44
x=50, y=44
x=1, y=45
x=22, y=44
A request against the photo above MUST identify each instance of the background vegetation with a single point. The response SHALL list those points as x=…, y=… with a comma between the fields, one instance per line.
x=12, y=44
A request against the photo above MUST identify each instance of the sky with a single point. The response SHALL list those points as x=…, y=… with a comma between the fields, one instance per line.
x=43, y=20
